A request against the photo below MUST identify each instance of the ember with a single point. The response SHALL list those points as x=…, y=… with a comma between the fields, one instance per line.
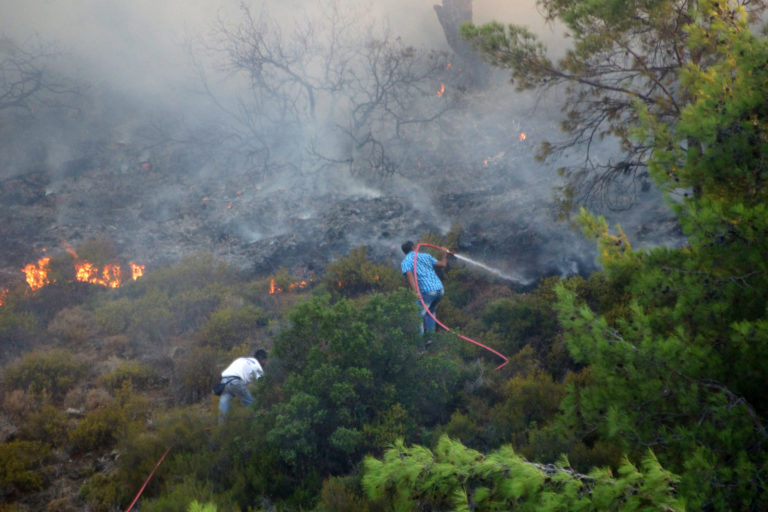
x=522, y=136
x=441, y=91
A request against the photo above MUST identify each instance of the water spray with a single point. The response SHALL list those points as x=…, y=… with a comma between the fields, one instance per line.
x=438, y=322
x=485, y=267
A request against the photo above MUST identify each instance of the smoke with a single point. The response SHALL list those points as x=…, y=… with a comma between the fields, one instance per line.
x=245, y=162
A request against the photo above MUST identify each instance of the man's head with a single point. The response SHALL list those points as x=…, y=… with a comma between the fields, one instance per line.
x=260, y=354
x=407, y=247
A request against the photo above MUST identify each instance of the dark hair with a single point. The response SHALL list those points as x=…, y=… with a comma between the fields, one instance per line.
x=407, y=247
x=260, y=354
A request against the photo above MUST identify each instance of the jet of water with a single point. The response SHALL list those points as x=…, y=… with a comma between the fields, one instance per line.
x=492, y=270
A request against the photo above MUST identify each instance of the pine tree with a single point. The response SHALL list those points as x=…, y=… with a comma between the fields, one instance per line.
x=456, y=478
x=682, y=372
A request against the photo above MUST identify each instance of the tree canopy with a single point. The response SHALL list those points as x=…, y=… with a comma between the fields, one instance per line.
x=621, y=53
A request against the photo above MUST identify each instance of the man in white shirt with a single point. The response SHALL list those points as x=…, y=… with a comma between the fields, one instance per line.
x=236, y=377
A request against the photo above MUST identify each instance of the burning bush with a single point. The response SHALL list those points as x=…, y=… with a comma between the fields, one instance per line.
x=355, y=274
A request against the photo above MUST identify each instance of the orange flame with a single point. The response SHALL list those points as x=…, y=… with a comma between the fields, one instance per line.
x=110, y=275
x=229, y=206
x=3, y=295
x=37, y=276
x=441, y=91
x=522, y=136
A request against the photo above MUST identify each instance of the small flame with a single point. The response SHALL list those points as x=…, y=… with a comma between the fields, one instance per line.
x=229, y=206
x=3, y=296
x=37, y=276
x=448, y=65
x=136, y=270
x=441, y=91
x=273, y=288
x=298, y=284
x=522, y=136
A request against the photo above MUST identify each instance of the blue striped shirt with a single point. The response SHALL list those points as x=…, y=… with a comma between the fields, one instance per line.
x=425, y=271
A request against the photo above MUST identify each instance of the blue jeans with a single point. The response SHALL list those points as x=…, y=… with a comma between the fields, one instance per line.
x=431, y=298
x=234, y=388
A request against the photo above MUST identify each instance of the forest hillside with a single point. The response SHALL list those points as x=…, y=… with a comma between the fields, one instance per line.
x=637, y=387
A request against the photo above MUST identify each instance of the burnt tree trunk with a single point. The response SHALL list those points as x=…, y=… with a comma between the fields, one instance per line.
x=469, y=70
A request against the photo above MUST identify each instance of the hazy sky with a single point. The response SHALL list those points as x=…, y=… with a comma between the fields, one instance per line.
x=140, y=43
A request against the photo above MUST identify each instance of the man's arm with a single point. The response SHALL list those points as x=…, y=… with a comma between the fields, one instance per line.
x=412, y=282
x=443, y=261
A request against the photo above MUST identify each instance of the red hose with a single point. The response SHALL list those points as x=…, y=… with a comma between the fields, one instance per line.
x=147, y=481
x=438, y=322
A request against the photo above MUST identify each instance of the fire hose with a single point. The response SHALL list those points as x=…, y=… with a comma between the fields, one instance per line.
x=138, y=495
x=438, y=322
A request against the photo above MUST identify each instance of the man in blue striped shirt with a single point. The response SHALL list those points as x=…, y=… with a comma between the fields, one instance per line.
x=429, y=286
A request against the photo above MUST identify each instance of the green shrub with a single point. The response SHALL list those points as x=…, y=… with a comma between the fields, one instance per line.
x=103, y=427
x=102, y=494
x=54, y=372
x=99, y=251
x=17, y=328
x=195, y=374
x=47, y=424
x=186, y=494
x=112, y=318
x=138, y=375
x=355, y=274
x=18, y=460
x=228, y=327
x=201, y=507
x=342, y=494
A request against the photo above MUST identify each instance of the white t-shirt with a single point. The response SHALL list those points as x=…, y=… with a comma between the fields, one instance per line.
x=247, y=368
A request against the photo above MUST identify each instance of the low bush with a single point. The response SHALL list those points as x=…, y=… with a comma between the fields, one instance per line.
x=135, y=373
x=19, y=461
x=228, y=327
x=54, y=372
x=195, y=374
x=72, y=326
x=102, y=494
x=103, y=427
x=47, y=424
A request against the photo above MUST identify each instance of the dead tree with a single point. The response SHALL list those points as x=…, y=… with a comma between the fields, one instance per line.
x=469, y=70
x=331, y=90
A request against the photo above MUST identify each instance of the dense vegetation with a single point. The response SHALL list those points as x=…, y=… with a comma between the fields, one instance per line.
x=637, y=388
